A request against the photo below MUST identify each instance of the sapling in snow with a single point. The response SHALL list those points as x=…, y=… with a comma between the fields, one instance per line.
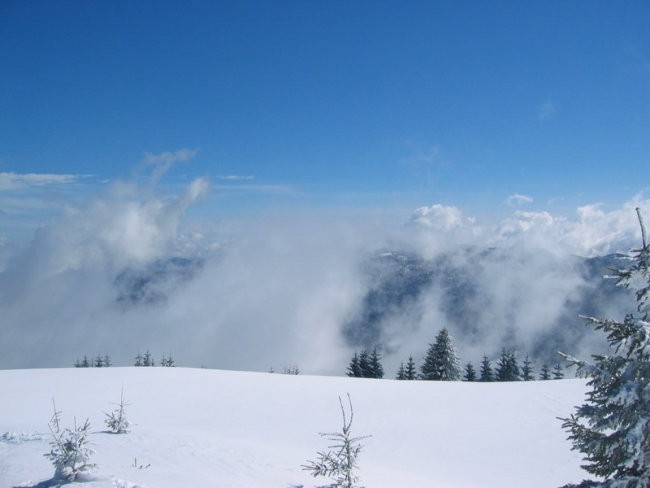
x=116, y=420
x=70, y=452
x=340, y=462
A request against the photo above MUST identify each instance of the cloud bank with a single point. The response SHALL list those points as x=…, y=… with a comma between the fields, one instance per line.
x=277, y=289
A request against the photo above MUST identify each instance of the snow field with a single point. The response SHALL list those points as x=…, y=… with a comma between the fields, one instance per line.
x=208, y=428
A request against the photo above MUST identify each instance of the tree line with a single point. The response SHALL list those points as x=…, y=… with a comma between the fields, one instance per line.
x=104, y=361
x=441, y=363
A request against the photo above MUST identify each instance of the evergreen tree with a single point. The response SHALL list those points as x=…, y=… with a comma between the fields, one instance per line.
x=401, y=372
x=507, y=368
x=486, y=370
x=354, y=370
x=557, y=372
x=441, y=362
x=376, y=369
x=147, y=360
x=364, y=365
x=107, y=361
x=85, y=363
x=527, y=370
x=612, y=427
x=139, y=360
x=410, y=371
x=99, y=362
x=546, y=373
x=340, y=463
x=470, y=372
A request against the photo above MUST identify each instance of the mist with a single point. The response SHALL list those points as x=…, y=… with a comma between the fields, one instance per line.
x=278, y=288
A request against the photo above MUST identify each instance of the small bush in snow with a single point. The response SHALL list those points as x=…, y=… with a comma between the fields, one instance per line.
x=69, y=453
x=116, y=420
x=340, y=463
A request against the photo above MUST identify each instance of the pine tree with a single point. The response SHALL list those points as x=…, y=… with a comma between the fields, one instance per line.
x=147, y=360
x=557, y=372
x=507, y=368
x=99, y=362
x=116, y=420
x=470, y=372
x=107, y=361
x=441, y=361
x=376, y=369
x=339, y=464
x=401, y=372
x=364, y=365
x=546, y=373
x=612, y=427
x=354, y=370
x=527, y=370
x=410, y=371
x=85, y=363
x=139, y=360
x=486, y=370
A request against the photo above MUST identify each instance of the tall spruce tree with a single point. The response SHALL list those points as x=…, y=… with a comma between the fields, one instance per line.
x=470, y=372
x=612, y=427
x=401, y=372
x=507, y=367
x=527, y=370
x=364, y=365
x=558, y=374
x=354, y=370
x=545, y=374
x=487, y=374
x=441, y=362
x=410, y=371
x=376, y=369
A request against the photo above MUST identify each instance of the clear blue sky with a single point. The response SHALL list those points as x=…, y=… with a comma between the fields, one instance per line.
x=360, y=103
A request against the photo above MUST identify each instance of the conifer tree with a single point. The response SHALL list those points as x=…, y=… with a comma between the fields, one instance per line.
x=410, y=371
x=99, y=361
x=507, y=367
x=470, y=372
x=441, y=362
x=486, y=370
x=527, y=370
x=364, y=365
x=557, y=372
x=85, y=363
x=139, y=360
x=376, y=369
x=107, y=361
x=612, y=427
x=354, y=370
x=401, y=372
x=147, y=360
x=545, y=373
x=340, y=463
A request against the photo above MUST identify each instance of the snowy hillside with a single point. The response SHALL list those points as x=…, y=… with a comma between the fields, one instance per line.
x=206, y=428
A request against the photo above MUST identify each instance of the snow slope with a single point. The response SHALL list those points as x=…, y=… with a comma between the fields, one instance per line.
x=208, y=428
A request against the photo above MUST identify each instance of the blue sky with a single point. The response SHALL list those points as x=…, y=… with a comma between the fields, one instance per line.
x=364, y=104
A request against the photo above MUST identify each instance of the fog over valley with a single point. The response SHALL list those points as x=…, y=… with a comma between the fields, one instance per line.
x=131, y=268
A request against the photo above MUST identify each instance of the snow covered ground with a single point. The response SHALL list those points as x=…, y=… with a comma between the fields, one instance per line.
x=206, y=428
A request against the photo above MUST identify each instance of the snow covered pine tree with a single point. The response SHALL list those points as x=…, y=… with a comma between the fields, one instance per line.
x=441, y=361
x=612, y=428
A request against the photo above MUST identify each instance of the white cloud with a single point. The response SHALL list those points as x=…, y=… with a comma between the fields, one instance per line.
x=162, y=162
x=19, y=181
x=440, y=217
x=518, y=199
